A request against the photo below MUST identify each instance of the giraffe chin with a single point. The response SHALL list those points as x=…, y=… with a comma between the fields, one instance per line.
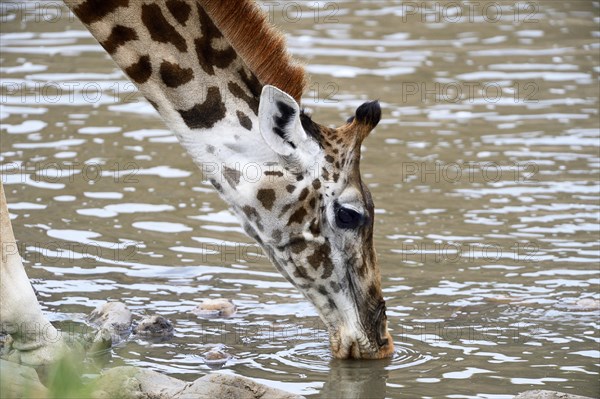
x=345, y=346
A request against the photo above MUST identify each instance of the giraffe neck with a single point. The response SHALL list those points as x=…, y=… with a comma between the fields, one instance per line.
x=184, y=66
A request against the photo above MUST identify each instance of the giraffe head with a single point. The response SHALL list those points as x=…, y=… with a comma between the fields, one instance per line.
x=314, y=217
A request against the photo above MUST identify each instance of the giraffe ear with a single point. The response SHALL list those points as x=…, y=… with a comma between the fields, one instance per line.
x=279, y=123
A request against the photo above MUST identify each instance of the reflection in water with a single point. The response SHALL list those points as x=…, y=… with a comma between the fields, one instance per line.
x=356, y=379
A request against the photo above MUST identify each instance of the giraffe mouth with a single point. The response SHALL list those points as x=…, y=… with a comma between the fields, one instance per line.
x=372, y=341
x=362, y=349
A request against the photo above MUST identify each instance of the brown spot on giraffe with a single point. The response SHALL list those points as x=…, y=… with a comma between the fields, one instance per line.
x=180, y=10
x=209, y=57
x=119, y=35
x=297, y=217
x=285, y=208
x=140, y=71
x=160, y=29
x=321, y=257
x=298, y=246
x=208, y=27
x=206, y=56
x=251, y=82
x=331, y=304
x=335, y=286
x=232, y=176
x=303, y=194
x=300, y=271
x=314, y=227
x=252, y=214
x=322, y=290
x=290, y=188
x=238, y=92
x=205, y=115
x=173, y=75
x=95, y=10
x=266, y=196
x=244, y=120
x=216, y=185
x=275, y=173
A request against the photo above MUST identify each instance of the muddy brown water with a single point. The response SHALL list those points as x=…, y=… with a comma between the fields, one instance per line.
x=484, y=172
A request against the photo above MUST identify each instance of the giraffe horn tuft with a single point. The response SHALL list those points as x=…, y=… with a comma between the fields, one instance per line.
x=369, y=114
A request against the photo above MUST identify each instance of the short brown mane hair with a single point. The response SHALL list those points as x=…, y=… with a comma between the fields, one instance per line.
x=258, y=43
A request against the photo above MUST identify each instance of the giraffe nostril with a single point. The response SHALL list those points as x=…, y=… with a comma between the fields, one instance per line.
x=381, y=338
x=381, y=335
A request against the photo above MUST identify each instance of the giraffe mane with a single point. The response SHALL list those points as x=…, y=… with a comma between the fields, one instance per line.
x=258, y=43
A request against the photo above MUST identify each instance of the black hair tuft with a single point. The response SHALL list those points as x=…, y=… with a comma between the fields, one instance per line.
x=369, y=113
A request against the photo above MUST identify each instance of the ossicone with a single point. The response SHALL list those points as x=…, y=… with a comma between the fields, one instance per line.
x=368, y=114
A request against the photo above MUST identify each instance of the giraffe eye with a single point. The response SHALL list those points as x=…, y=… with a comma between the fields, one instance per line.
x=347, y=218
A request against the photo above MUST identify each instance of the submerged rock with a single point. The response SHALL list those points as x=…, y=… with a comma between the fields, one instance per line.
x=18, y=381
x=216, y=357
x=128, y=382
x=212, y=308
x=217, y=385
x=132, y=382
x=503, y=299
x=101, y=343
x=540, y=394
x=5, y=340
x=113, y=317
x=154, y=326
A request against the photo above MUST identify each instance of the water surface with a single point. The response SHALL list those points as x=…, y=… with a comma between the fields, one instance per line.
x=484, y=171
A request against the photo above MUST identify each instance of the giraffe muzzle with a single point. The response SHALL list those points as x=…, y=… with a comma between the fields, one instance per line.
x=368, y=339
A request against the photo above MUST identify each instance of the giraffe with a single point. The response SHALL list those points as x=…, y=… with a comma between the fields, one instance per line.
x=35, y=340
x=220, y=76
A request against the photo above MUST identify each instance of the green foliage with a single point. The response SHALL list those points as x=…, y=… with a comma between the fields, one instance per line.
x=64, y=380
